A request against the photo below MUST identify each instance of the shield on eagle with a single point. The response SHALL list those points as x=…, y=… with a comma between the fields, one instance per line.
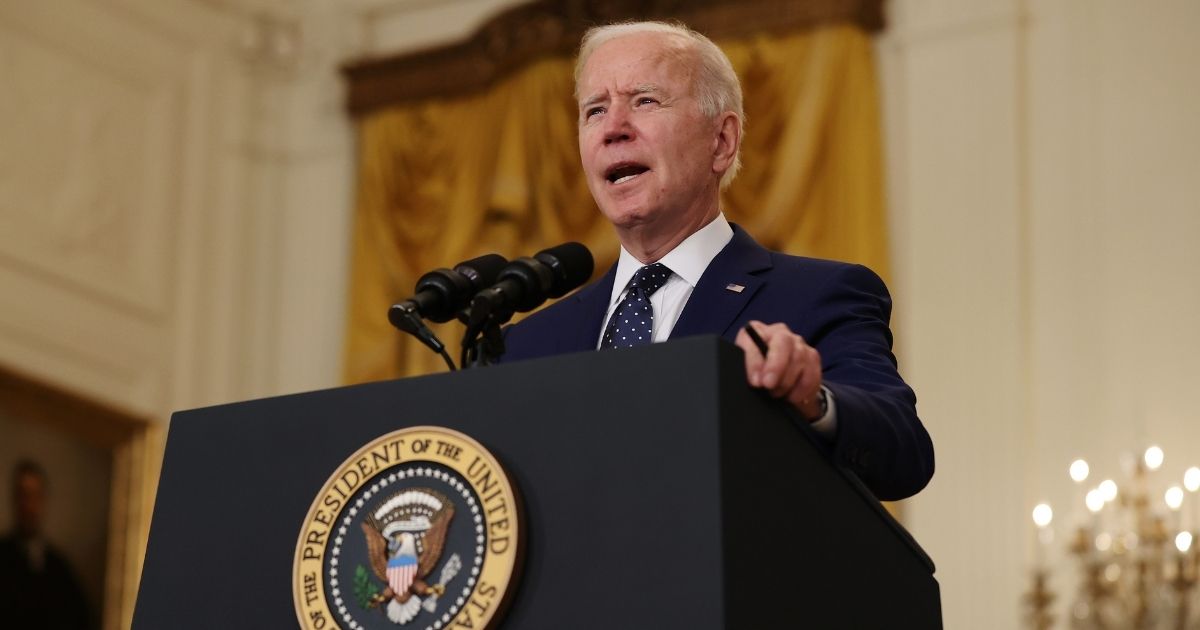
x=401, y=570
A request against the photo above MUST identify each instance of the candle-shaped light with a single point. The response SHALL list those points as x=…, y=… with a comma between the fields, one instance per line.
x=1042, y=515
x=1108, y=490
x=1080, y=470
x=1191, y=479
x=1183, y=541
x=1154, y=458
x=1094, y=502
x=1191, y=482
x=1108, y=493
x=1174, y=498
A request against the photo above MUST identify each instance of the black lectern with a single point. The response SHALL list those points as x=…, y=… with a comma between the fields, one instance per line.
x=659, y=491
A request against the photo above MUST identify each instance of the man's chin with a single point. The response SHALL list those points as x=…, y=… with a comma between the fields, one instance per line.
x=625, y=216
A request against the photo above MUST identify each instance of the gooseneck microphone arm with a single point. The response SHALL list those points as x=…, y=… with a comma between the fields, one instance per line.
x=408, y=320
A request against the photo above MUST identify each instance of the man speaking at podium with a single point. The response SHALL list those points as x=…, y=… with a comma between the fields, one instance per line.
x=660, y=128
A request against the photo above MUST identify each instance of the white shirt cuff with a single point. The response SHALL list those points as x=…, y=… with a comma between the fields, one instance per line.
x=826, y=425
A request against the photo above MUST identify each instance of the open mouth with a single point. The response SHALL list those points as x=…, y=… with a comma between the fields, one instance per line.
x=623, y=172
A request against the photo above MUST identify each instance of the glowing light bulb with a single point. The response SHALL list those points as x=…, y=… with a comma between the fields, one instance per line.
x=1174, y=497
x=1042, y=515
x=1191, y=479
x=1183, y=541
x=1112, y=572
x=1154, y=457
x=1079, y=471
x=1108, y=489
x=1094, y=501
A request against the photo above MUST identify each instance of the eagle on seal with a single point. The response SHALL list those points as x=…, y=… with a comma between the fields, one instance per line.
x=405, y=536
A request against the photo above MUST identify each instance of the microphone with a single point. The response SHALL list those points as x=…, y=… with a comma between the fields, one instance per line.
x=441, y=293
x=525, y=283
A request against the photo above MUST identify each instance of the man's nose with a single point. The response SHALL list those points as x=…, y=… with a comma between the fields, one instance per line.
x=617, y=126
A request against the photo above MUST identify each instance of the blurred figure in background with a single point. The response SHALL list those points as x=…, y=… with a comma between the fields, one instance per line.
x=38, y=589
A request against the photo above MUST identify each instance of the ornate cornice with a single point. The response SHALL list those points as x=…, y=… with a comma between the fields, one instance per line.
x=543, y=28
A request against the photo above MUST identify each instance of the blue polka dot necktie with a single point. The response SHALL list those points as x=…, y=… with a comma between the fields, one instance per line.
x=632, y=324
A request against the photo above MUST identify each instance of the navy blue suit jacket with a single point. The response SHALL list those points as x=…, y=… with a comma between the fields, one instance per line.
x=840, y=309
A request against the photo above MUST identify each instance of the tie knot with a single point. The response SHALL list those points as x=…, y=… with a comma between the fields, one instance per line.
x=650, y=278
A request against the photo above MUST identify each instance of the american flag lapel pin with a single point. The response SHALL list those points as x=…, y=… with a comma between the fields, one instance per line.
x=736, y=288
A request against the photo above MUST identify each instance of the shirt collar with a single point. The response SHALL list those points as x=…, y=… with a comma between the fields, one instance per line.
x=688, y=260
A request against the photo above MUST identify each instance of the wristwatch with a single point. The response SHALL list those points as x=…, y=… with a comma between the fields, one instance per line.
x=823, y=401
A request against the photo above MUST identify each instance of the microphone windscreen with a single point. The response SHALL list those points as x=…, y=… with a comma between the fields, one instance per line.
x=572, y=265
x=482, y=271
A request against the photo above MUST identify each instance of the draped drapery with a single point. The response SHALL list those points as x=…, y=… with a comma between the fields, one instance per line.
x=446, y=179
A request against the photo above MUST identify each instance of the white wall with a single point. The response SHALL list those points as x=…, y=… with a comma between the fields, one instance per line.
x=175, y=198
x=1043, y=162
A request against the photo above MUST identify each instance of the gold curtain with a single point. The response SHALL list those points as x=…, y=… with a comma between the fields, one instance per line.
x=448, y=179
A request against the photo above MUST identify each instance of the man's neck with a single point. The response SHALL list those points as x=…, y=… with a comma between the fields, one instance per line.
x=650, y=242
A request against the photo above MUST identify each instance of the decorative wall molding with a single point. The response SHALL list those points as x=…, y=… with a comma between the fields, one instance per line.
x=271, y=42
x=88, y=165
x=522, y=34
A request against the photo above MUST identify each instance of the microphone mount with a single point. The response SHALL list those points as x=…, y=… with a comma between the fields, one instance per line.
x=523, y=285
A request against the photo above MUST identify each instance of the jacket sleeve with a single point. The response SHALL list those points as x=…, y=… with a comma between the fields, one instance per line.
x=879, y=435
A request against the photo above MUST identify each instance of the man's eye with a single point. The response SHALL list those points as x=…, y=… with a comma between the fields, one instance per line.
x=646, y=100
x=593, y=111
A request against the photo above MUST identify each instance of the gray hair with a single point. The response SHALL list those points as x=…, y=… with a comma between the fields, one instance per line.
x=716, y=87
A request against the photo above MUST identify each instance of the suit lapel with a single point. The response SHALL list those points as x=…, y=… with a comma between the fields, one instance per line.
x=592, y=302
x=716, y=301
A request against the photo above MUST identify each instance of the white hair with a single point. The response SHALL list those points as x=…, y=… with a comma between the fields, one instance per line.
x=716, y=86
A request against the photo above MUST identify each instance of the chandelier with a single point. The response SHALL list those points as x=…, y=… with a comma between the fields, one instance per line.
x=1132, y=551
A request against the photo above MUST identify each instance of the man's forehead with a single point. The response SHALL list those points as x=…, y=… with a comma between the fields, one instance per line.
x=616, y=66
x=648, y=48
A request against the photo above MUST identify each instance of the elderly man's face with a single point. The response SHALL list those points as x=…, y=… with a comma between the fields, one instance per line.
x=648, y=153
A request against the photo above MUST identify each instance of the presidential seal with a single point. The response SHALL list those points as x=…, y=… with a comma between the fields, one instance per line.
x=417, y=530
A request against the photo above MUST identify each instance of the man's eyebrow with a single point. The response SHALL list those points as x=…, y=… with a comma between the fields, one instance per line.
x=592, y=100
x=644, y=88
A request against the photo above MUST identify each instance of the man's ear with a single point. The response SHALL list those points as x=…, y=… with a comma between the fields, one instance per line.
x=726, y=142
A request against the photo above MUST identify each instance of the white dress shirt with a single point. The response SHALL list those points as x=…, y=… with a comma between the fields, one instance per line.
x=687, y=263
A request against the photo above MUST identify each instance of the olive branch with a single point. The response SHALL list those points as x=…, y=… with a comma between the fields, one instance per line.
x=366, y=591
